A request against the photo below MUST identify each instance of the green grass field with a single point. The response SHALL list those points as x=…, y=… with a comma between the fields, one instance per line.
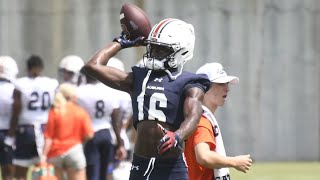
x=278, y=171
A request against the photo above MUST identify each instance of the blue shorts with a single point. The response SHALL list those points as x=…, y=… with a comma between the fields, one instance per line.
x=29, y=140
x=6, y=152
x=158, y=169
x=99, y=153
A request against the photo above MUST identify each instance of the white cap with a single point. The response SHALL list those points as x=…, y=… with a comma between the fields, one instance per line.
x=116, y=63
x=217, y=74
x=71, y=63
x=8, y=68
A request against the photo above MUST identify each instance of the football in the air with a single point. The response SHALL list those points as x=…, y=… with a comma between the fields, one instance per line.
x=134, y=22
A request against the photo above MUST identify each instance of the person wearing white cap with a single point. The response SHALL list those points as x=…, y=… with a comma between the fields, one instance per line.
x=204, y=150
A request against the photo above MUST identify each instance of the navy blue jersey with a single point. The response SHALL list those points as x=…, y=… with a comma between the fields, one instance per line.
x=156, y=97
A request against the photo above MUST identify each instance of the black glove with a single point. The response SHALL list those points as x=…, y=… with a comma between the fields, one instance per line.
x=126, y=43
x=168, y=141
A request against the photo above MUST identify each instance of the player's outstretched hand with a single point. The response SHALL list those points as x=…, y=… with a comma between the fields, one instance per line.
x=243, y=163
x=168, y=141
x=126, y=43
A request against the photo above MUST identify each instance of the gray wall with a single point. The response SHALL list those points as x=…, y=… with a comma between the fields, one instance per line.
x=271, y=45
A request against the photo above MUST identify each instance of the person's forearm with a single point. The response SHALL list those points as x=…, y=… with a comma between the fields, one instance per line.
x=16, y=110
x=214, y=160
x=102, y=56
x=117, y=124
x=47, y=146
x=13, y=126
x=218, y=161
x=112, y=77
x=117, y=128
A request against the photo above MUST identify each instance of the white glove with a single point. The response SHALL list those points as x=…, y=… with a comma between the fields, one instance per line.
x=9, y=141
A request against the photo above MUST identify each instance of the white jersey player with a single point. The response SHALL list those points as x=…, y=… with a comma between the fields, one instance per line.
x=34, y=94
x=125, y=107
x=99, y=102
x=125, y=104
x=103, y=108
x=8, y=72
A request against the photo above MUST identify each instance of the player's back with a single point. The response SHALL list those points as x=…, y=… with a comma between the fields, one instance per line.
x=6, y=100
x=37, y=96
x=99, y=101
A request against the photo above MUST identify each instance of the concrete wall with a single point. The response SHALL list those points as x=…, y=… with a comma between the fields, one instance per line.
x=271, y=45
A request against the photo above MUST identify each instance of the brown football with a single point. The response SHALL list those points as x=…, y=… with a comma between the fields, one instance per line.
x=134, y=21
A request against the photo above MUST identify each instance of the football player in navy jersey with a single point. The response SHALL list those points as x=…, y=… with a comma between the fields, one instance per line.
x=166, y=100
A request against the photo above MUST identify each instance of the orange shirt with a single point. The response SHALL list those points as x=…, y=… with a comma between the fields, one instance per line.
x=67, y=129
x=203, y=134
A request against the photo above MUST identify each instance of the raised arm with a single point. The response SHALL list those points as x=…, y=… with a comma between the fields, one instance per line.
x=112, y=77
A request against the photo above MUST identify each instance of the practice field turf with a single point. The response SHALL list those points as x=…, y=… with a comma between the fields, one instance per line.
x=278, y=171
